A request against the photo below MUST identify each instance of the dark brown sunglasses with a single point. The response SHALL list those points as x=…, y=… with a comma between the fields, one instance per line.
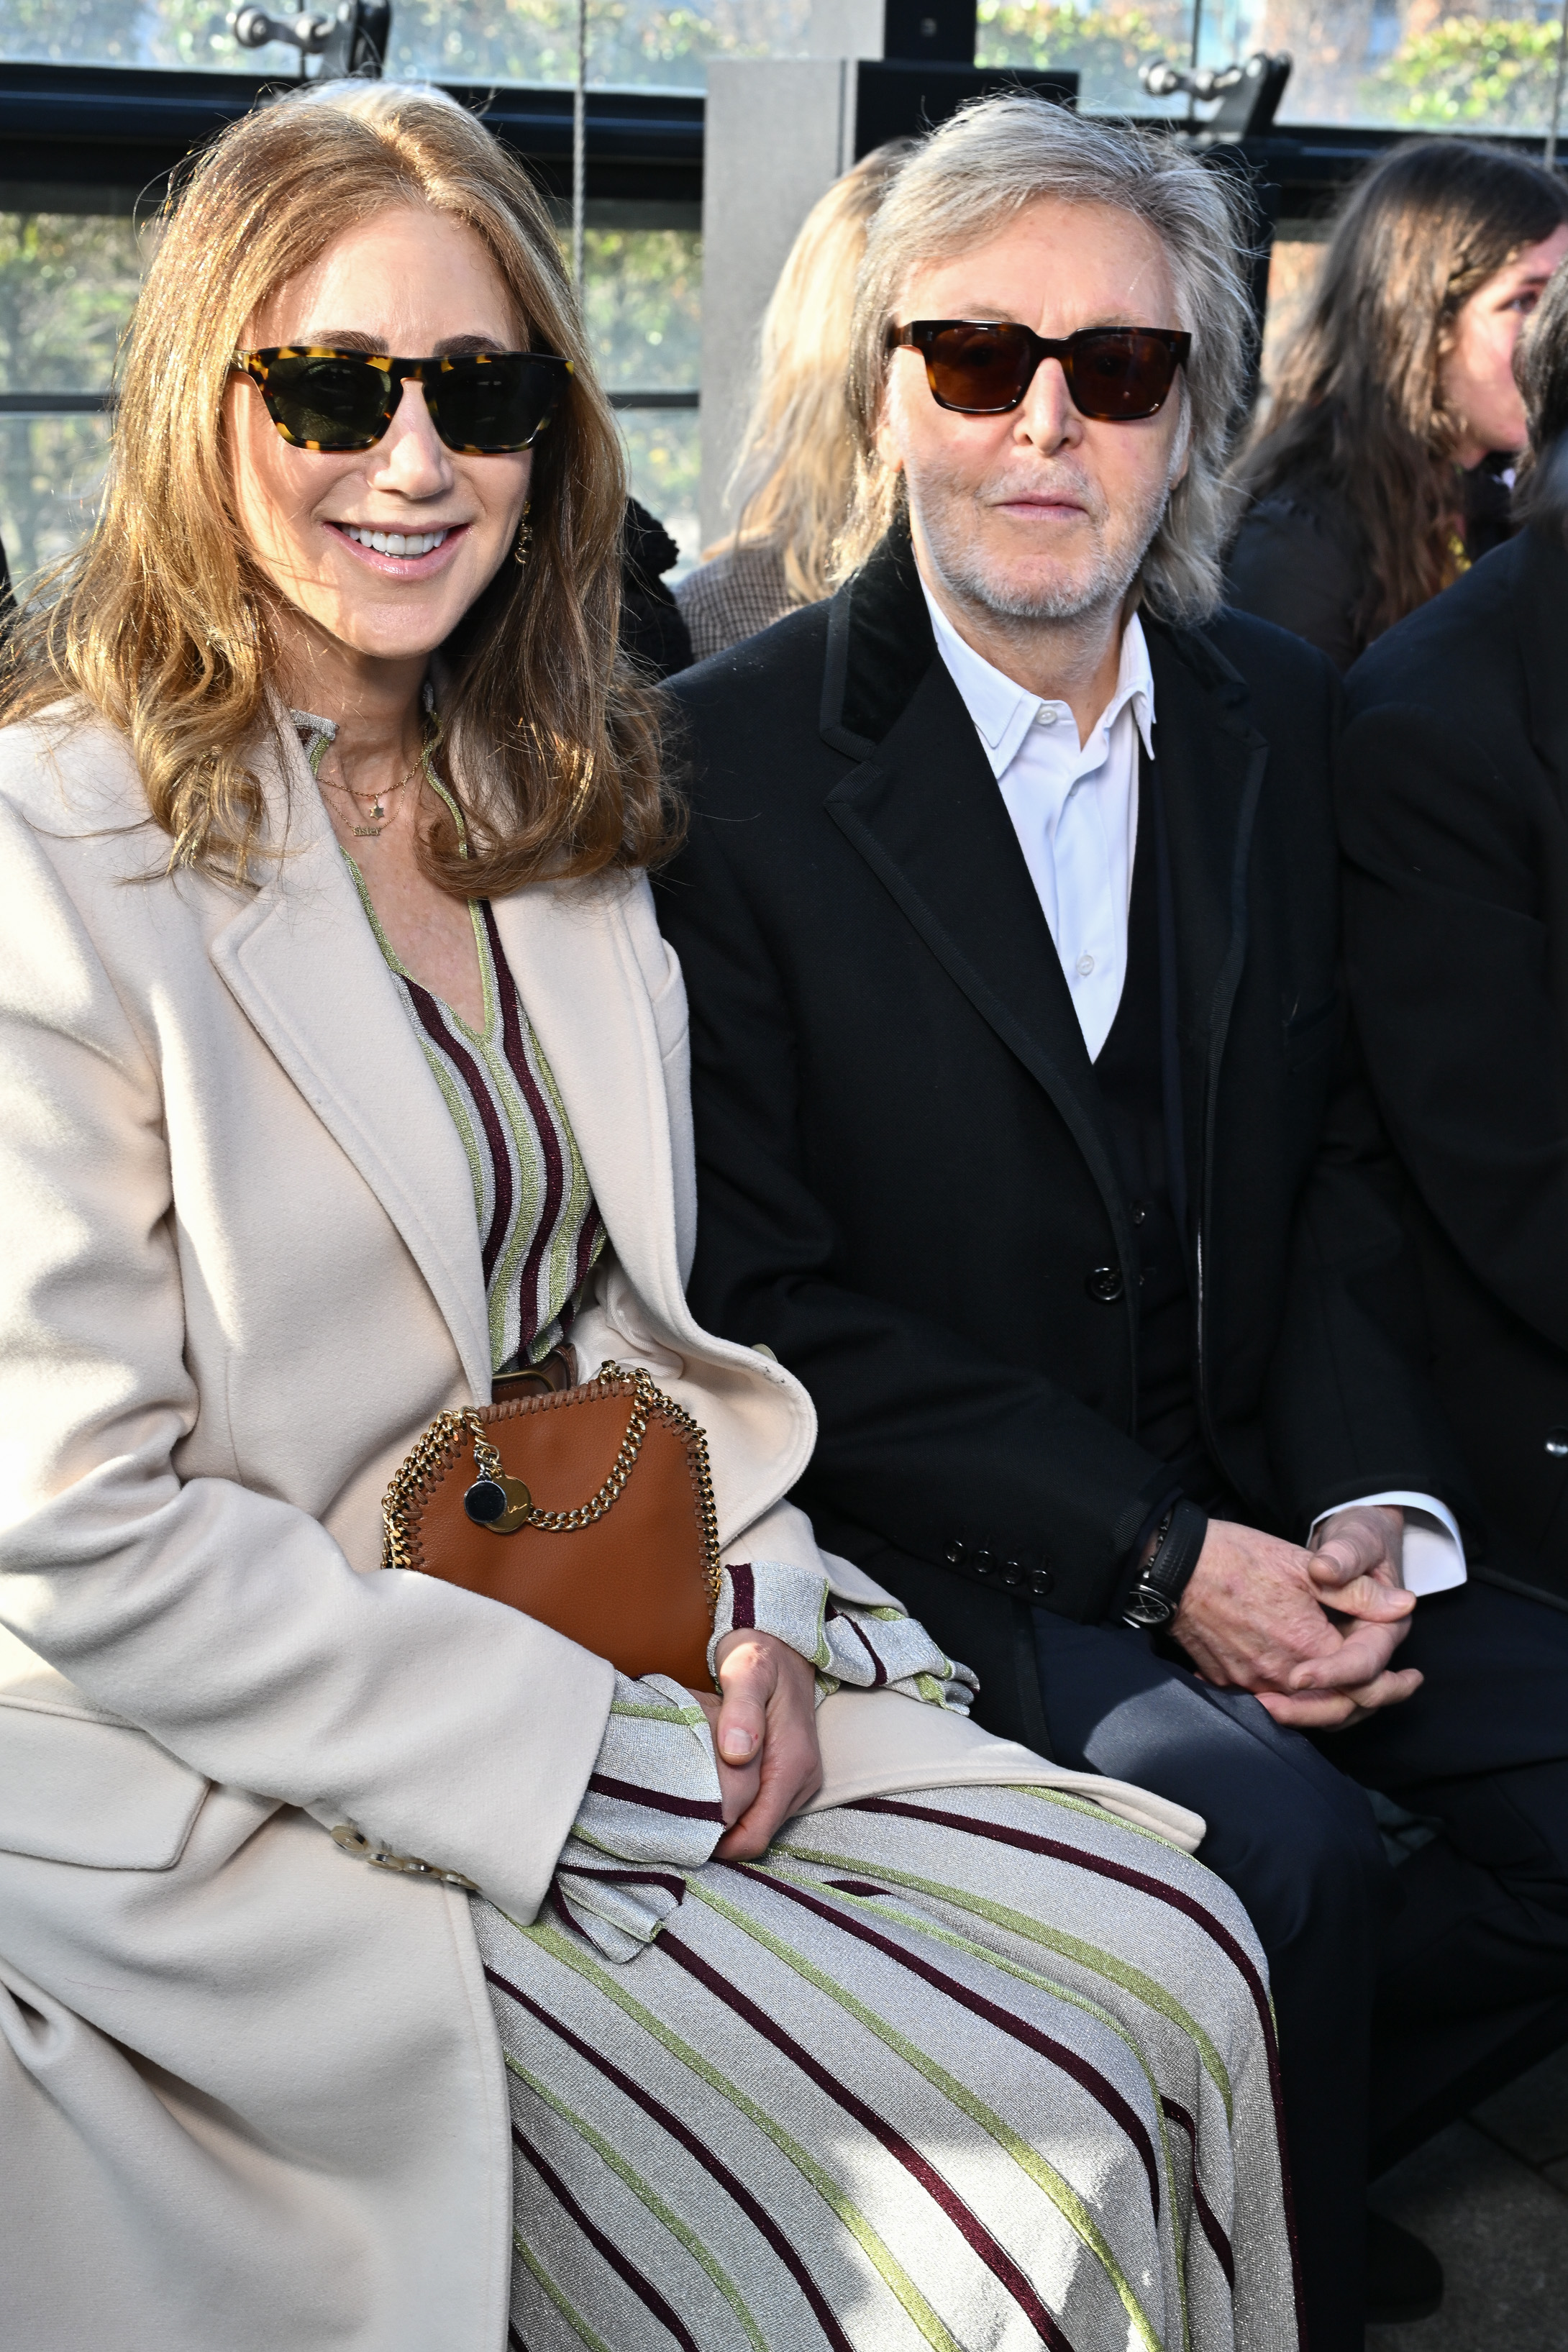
x=1115, y=376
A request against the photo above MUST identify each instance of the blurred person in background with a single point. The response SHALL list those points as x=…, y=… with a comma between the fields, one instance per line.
x=1382, y=469
x=1454, y=789
x=794, y=476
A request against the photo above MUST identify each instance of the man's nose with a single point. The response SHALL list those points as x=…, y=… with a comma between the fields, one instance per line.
x=1047, y=416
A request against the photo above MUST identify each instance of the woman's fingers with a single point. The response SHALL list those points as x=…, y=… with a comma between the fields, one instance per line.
x=738, y=1784
x=756, y=1668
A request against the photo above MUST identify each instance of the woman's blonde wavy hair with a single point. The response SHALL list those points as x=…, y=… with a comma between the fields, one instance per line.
x=162, y=621
x=970, y=179
x=795, y=475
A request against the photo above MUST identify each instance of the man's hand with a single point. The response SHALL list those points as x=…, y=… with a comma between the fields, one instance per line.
x=1254, y=1617
x=764, y=1737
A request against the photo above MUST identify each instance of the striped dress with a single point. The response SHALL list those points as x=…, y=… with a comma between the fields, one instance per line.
x=975, y=2071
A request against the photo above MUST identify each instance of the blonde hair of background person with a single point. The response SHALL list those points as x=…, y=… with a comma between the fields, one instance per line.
x=793, y=478
x=161, y=621
x=978, y=172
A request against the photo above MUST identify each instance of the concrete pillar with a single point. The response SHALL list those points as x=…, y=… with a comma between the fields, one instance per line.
x=779, y=131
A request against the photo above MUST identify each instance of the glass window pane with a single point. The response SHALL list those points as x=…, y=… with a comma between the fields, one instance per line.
x=1106, y=43
x=642, y=298
x=662, y=446
x=50, y=471
x=630, y=41
x=1416, y=65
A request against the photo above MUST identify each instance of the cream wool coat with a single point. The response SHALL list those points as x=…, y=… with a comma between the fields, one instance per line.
x=250, y=2091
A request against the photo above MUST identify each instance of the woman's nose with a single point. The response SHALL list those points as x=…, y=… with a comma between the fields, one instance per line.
x=411, y=457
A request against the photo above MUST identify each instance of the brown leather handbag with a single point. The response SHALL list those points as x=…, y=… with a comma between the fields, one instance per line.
x=590, y=1508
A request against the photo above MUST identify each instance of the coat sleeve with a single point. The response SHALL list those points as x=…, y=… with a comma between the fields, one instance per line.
x=225, y=1622
x=912, y=1415
x=1458, y=995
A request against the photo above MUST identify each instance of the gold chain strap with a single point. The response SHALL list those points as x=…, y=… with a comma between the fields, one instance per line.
x=432, y=1456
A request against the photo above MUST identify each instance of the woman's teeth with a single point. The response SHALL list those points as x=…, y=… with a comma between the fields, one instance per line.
x=396, y=542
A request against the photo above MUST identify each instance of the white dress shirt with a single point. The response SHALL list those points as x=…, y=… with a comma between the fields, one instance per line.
x=1075, y=811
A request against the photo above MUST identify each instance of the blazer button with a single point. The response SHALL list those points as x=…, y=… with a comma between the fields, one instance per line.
x=1557, y=1442
x=983, y=1562
x=956, y=1553
x=1040, y=1583
x=1012, y=1572
x=1105, y=1284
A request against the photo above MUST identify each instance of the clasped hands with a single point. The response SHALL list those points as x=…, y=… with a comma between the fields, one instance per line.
x=1310, y=1633
x=764, y=1722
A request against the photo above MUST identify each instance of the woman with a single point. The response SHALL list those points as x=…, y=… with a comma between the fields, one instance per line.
x=1452, y=795
x=1375, y=481
x=795, y=473
x=369, y=1975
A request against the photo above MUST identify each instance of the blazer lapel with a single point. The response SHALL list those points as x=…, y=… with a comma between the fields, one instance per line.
x=924, y=810
x=576, y=971
x=1211, y=763
x=1540, y=610
x=303, y=963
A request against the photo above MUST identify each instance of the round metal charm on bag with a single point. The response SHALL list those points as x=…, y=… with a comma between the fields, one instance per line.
x=499, y=1503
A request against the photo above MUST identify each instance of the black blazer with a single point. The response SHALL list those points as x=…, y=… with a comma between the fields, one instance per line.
x=906, y=1182
x=1454, y=814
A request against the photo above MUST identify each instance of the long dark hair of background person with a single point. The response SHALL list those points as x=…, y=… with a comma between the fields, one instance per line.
x=1358, y=509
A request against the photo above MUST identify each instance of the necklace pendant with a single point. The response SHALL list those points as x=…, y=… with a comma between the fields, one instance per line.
x=377, y=813
x=367, y=832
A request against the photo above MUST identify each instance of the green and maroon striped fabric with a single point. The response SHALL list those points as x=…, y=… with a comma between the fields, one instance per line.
x=978, y=2070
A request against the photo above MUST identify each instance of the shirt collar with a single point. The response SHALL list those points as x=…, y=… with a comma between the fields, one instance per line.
x=1003, y=712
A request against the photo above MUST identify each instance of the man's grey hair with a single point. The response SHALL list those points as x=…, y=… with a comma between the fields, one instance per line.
x=1540, y=365
x=964, y=186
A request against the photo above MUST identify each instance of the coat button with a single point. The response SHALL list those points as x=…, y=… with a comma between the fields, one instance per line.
x=1105, y=1284
x=1012, y=1572
x=956, y=1553
x=1040, y=1583
x=983, y=1562
x=1557, y=1442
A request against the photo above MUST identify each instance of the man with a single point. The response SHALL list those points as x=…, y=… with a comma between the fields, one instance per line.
x=1025, y=1134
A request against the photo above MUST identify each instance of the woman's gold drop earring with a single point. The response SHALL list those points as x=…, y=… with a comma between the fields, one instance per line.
x=524, y=539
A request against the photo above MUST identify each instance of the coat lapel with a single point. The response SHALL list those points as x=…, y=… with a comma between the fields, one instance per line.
x=1212, y=762
x=303, y=964
x=924, y=810
x=1540, y=610
x=577, y=971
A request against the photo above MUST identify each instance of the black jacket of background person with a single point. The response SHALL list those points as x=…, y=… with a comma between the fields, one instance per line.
x=1454, y=814
x=906, y=1186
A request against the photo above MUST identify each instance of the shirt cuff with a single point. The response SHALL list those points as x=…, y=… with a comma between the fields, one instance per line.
x=1434, y=1548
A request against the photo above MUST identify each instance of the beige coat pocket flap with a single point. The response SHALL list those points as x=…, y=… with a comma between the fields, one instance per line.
x=73, y=1788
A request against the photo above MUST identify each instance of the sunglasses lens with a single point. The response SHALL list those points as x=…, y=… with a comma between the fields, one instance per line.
x=1121, y=375
x=327, y=404
x=495, y=403
x=981, y=370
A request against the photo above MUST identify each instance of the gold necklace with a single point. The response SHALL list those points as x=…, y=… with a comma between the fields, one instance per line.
x=377, y=816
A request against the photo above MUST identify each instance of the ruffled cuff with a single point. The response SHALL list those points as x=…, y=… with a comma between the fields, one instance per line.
x=651, y=1812
x=869, y=1649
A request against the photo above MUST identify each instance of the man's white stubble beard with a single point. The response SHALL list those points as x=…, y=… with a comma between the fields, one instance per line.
x=961, y=562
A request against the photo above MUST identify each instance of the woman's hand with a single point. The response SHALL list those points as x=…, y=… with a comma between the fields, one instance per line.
x=764, y=1737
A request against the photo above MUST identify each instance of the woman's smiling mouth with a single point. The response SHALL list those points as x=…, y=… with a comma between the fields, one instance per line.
x=400, y=553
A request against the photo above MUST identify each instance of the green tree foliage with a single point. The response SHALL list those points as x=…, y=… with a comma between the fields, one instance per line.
x=1106, y=46
x=1472, y=72
x=67, y=285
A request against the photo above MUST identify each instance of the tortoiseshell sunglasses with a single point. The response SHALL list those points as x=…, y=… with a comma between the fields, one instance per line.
x=482, y=402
